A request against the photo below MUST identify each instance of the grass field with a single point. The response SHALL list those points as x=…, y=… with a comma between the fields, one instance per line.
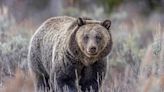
x=135, y=64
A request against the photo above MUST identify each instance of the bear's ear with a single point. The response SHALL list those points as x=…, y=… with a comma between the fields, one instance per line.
x=106, y=24
x=81, y=21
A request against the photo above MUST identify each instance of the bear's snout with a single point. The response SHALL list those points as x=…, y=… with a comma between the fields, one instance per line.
x=92, y=50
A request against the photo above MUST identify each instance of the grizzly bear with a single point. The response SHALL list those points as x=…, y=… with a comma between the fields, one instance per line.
x=68, y=54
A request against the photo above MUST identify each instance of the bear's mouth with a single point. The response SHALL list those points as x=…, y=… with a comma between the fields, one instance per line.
x=91, y=54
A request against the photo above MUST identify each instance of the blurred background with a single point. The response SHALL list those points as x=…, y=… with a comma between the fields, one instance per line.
x=136, y=63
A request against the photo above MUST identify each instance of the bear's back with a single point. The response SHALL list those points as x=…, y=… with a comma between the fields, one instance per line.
x=57, y=23
x=54, y=25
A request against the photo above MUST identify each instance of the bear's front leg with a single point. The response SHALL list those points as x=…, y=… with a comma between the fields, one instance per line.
x=92, y=76
x=64, y=79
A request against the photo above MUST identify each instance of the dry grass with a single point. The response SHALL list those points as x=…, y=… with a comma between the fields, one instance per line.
x=151, y=71
x=133, y=43
x=20, y=83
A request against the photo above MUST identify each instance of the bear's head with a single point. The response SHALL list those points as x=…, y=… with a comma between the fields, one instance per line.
x=93, y=39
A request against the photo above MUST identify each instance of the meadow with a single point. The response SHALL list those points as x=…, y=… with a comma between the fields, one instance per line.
x=136, y=63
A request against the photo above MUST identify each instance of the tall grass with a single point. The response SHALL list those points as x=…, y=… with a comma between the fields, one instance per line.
x=135, y=64
x=20, y=83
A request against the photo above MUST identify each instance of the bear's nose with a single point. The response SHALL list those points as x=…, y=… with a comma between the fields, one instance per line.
x=93, y=50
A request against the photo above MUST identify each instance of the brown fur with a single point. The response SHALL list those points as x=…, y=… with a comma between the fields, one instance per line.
x=55, y=53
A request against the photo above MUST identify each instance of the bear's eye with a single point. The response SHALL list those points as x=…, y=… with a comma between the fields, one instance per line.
x=98, y=38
